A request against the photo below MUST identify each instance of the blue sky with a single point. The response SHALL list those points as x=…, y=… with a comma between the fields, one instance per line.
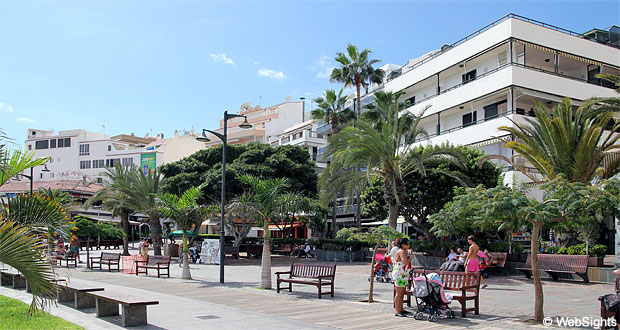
x=141, y=66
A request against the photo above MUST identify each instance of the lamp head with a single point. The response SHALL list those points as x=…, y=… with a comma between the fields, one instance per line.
x=45, y=169
x=245, y=124
x=203, y=137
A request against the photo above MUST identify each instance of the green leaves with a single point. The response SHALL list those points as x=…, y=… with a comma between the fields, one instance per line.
x=372, y=235
x=38, y=212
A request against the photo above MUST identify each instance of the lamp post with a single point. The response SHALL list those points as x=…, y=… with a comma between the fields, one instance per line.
x=303, y=109
x=223, y=137
x=31, y=176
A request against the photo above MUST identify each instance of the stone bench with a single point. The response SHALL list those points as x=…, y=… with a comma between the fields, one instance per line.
x=77, y=294
x=134, y=308
x=12, y=279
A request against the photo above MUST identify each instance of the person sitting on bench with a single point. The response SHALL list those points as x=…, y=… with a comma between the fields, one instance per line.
x=454, y=266
x=451, y=257
x=304, y=250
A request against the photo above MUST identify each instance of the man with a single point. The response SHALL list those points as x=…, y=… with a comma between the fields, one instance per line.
x=462, y=257
x=451, y=257
x=393, y=250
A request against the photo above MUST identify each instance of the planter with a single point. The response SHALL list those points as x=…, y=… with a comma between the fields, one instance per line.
x=516, y=257
x=440, y=254
x=341, y=256
x=595, y=262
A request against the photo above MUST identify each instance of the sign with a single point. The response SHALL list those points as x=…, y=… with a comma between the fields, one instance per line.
x=210, y=252
x=147, y=162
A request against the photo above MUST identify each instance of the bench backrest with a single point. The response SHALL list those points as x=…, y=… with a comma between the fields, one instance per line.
x=285, y=247
x=312, y=271
x=501, y=258
x=110, y=256
x=154, y=260
x=561, y=262
x=453, y=280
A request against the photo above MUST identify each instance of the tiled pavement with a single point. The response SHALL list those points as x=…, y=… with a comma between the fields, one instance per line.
x=203, y=303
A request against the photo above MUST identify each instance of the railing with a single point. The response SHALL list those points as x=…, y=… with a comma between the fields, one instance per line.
x=446, y=48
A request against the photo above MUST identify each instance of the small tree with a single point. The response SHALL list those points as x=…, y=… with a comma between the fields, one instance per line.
x=86, y=228
x=373, y=235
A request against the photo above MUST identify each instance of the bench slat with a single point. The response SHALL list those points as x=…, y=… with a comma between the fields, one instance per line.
x=122, y=298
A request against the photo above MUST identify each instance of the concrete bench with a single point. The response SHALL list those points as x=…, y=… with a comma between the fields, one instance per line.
x=77, y=294
x=56, y=281
x=134, y=308
x=12, y=279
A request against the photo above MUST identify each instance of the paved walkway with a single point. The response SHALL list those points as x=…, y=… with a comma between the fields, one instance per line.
x=506, y=304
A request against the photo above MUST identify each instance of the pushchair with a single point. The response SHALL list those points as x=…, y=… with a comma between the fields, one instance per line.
x=430, y=298
x=383, y=268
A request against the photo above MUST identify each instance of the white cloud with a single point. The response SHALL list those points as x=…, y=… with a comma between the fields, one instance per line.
x=271, y=74
x=5, y=107
x=324, y=67
x=222, y=57
x=26, y=120
x=255, y=63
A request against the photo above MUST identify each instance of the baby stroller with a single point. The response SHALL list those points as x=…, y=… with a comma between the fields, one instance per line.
x=430, y=298
x=383, y=268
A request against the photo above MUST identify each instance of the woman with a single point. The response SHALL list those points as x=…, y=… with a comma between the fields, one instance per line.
x=400, y=274
x=472, y=265
x=74, y=248
x=144, y=251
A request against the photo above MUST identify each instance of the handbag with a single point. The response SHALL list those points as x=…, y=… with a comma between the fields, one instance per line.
x=611, y=301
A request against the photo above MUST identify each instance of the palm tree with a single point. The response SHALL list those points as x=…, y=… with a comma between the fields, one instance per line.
x=356, y=69
x=115, y=198
x=186, y=213
x=578, y=146
x=62, y=197
x=265, y=196
x=141, y=193
x=383, y=151
x=331, y=109
x=15, y=162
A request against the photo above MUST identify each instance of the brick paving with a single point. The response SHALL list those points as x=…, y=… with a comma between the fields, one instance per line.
x=506, y=304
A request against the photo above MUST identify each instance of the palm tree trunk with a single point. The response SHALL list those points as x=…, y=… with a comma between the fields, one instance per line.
x=265, y=274
x=186, y=275
x=333, y=220
x=359, y=102
x=392, y=215
x=87, y=252
x=155, y=228
x=539, y=313
x=358, y=212
x=125, y=225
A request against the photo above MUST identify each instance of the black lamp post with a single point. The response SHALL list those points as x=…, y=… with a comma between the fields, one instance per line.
x=223, y=137
x=31, y=176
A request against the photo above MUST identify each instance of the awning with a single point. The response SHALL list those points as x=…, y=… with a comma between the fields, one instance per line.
x=503, y=139
x=546, y=96
x=399, y=220
x=109, y=220
x=211, y=222
x=288, y=226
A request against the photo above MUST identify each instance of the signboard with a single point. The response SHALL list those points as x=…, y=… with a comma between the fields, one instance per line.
x=147, y=162
x=210, y=252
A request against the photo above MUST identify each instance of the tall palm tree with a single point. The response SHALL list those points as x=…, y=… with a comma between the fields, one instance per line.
x=15, y=162
x=266, y=194
x=578, y=146
x=356, y=69
x=384, y=151
x=186, y=213
x=330, y=109
x=61, y=197
x=115, y=198
x=141, y=194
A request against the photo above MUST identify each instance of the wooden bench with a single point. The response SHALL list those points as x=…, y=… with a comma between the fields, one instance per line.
x=93, y=244
x=253, y=250
x=106, y=258
x=56, y=281
x=70, y=257
x=134, y=308
x=77, y=294
x=13, y=279
x=153, y=262
x=108, y=244
x=501, y=261
x=468, y=284
x=317, y=275
x=232, y=250
x=554, y=264
x=605, y=314
x=285, y=249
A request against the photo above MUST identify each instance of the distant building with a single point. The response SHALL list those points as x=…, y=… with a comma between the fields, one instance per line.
x=303, y=135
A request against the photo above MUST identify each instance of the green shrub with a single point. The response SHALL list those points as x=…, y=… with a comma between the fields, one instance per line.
x=598, y=250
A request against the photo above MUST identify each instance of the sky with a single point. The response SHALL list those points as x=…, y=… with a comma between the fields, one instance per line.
x=154, y=67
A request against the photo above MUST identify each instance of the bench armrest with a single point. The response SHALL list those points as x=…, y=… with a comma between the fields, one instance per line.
x=163, y=263
x=139, y=261
x=282, y=273
x=91, y=258
x=467, y=287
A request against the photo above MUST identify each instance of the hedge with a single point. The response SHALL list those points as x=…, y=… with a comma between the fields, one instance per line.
x=318, y=243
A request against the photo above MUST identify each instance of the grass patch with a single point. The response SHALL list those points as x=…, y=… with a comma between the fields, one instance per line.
x=14, y=315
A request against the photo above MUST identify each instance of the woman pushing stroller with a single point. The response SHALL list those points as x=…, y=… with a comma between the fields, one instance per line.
x=400, y=275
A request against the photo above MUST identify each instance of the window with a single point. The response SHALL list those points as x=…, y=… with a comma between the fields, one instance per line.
x=61, y=143
x=127, y=161
x=67, y=142
x=84, y=164
x=43, y=144
x=502, y=58
x=52, y=143
x=64, y=143
x=98, y=163
x=112, y=162
x=470, y=118
x=469, y=76
x=410, y=101
x=109, y=148
x=84, y=149
x=493, y=110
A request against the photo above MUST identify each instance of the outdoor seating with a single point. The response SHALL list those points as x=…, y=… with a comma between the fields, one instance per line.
x=501, y=261
x=554, y=264
x=108, y=244
x=56, y=281
x=12, y=279
x=285, y=249
x=70, y=257
x=106, y=258
x=605, y=313
x=232, y=250
x=77, y=294
x=93, y=244
x=317, y=275
x=153, y=262
x=134, y=308
x=468, y=284
x=253, y=250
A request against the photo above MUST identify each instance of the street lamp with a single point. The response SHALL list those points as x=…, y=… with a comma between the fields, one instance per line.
x=223, y=137
x=31, y=176
x=303, y=109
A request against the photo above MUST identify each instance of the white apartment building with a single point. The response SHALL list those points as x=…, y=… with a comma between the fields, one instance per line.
x=303, y=135
x=493, y=77
x=83, y=155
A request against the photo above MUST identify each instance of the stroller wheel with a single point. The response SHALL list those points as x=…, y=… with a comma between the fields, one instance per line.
x=451, y=314
x=418, y=316
x=369, y=279
x=432, y=318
